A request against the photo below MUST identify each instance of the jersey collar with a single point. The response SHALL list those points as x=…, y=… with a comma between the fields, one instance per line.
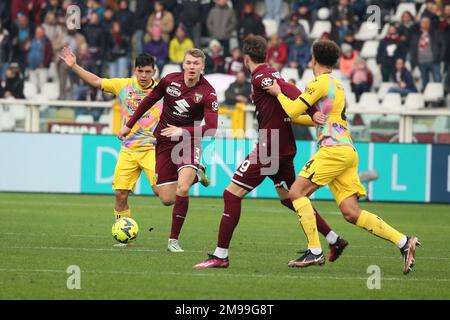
x=147, y=87
x=264, y=65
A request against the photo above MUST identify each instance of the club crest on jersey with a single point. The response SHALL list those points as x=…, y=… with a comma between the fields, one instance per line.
x=198, y=97
x=266, y=82
x=174, y=92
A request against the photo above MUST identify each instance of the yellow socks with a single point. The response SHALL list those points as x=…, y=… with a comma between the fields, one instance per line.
x=378, y=227
x=122, y=214
x=307, y=219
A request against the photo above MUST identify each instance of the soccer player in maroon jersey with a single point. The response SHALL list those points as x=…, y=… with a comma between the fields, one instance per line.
x=273, y=156
x=188, y=99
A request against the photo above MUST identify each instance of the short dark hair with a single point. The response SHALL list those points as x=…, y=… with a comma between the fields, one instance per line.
x=256, y=48
x=143, y=60
x=326, y=52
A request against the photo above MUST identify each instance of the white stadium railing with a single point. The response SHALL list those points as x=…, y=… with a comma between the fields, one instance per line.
x=29, y=111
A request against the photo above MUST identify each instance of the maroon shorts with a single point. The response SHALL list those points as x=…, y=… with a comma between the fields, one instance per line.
x=252, y=172
x=172, y=156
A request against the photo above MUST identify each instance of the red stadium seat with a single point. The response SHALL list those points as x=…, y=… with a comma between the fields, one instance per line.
x=443, y=138
x=424, y=137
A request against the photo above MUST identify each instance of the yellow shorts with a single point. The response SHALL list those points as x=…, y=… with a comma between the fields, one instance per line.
x=129, y=166
x=336, y=166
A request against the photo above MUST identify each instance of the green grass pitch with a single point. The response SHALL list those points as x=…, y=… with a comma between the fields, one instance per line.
x=42, y=235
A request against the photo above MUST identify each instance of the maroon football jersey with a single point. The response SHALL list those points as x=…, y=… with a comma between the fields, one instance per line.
x=270, y=113
x=183, y=106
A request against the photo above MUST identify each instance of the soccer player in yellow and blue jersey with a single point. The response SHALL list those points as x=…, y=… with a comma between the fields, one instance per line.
x=138, y=148
x=335, y=163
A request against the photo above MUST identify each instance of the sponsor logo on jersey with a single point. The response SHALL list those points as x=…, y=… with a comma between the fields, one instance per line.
x=198, y=97
x=176, y=84
x=181, y=106
x=276, y=75
x=174, y=92
x=266, y=82
x=258, y=76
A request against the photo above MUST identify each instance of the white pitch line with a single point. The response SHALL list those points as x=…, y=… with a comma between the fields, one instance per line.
x=232, y=275
x=131, y=249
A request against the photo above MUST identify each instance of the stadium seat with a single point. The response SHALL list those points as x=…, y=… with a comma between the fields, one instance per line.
x=271, y=26
x=169, y=68
x=319, y=28
x=414, y=101
x=305, y=24
x=290, y=73
x=105, y=119
x=384, y=88
x=84, y=118
x=383, y=137
x=402, y=7
x=7, y=122
x=50, y=90
x=323, y=13
x=367, y=31
x=368, y=100
x=307, y=76
x=29, y=90
x=424, y=137
x=260, y=8
x=434, y=92
x=369, y=49
x=392, y=101
x=443, y=138
x=285, y=11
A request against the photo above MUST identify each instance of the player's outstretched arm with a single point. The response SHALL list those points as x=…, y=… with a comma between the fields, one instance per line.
x=70, y=59
x=293, y=108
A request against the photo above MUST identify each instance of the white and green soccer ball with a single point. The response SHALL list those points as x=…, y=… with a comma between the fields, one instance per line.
x=125, y=230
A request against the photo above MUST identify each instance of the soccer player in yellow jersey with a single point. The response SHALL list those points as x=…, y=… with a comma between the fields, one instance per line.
x=138, y=149
x=335, y=163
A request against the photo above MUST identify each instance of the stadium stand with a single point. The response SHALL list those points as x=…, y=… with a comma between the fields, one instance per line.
x=317, y=24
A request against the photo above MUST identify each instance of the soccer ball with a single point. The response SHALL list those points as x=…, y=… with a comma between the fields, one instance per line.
x=125, y=230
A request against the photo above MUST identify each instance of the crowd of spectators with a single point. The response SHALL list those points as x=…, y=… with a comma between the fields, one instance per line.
x=114, y=32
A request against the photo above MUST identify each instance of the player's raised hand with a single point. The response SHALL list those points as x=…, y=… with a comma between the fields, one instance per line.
x=172, y=131
x=68, y=57
x=274, y=89
x=123, y=132
x=319, y=118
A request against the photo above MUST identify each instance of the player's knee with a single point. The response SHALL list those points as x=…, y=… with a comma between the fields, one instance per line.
x=183, y=189
x=121, y=196
x=350, y=213
x=295, y=194
x=167, y=200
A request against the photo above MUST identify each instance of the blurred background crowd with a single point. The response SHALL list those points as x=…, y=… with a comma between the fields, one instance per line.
x=410, y=49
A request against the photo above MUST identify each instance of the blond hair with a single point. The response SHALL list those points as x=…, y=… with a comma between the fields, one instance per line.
x=196, y=53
